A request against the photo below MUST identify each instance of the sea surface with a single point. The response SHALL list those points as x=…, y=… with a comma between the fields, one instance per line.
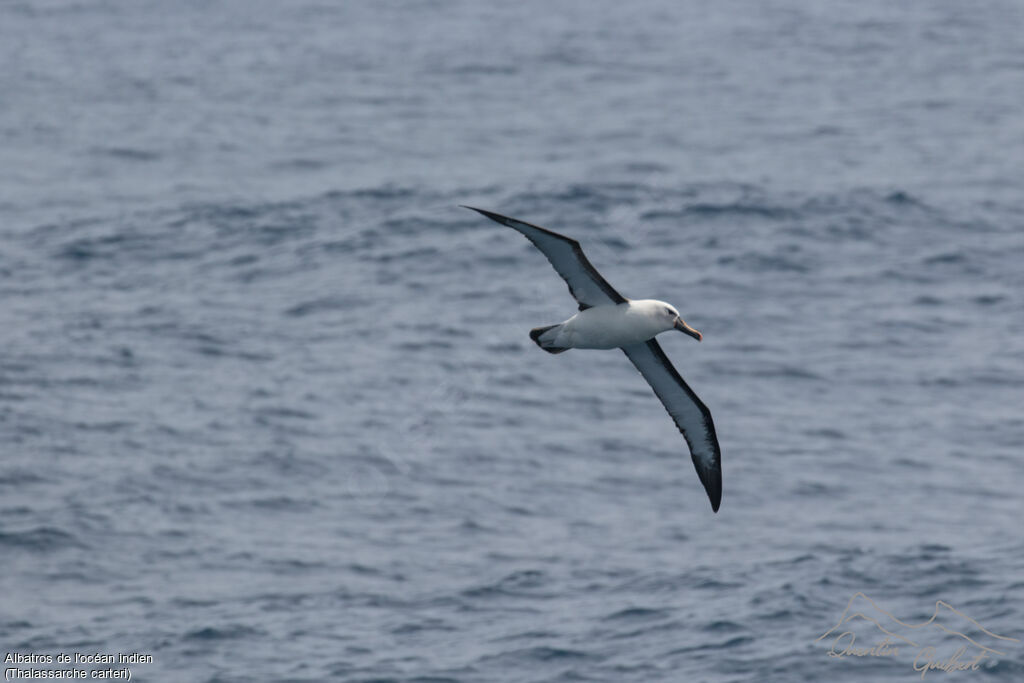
x=268, y=406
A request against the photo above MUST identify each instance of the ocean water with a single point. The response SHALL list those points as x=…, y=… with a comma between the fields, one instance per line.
x=268, y=406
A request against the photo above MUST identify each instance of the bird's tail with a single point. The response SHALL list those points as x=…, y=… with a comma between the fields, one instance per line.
x=545, y=337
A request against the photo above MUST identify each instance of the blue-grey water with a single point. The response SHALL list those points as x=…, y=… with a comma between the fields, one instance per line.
x=268, y=406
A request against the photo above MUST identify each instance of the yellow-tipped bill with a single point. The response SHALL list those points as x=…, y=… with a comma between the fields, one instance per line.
x=686, y=329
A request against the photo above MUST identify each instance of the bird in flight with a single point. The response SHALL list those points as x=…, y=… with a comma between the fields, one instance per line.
x=608, y=320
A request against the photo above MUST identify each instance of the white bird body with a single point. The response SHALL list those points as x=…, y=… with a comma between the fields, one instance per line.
x=612, y=326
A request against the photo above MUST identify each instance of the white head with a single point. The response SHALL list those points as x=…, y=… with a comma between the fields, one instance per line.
x=668, y=315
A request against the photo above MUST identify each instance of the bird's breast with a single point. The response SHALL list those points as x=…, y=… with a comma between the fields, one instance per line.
x=608, y=327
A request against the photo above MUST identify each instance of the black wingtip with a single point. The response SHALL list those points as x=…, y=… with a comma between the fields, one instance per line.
x=496, y=217
x=711, y=478
x=714, y=489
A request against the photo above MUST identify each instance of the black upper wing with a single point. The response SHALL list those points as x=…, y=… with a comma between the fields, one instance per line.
x=690, y=414
x=565, y=254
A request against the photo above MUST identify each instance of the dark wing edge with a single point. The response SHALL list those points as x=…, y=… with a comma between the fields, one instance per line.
x=581, y=258
x=704, y=449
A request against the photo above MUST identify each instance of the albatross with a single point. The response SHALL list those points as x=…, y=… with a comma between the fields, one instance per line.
x=608, y=320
